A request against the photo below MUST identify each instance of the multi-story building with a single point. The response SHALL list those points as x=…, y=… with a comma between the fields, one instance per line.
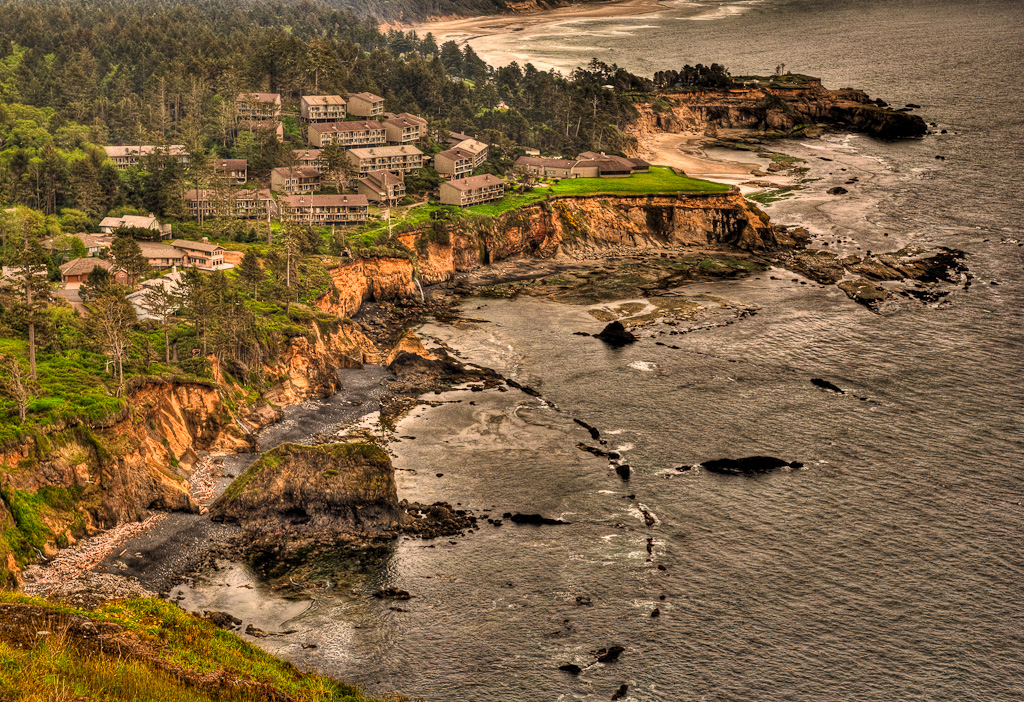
x=322, y=108
x=454, y=163
x=473, y=190
x=125, y=157
x=310, y=158
x=319, y=210
x=258, y=106
x=384, y=187
x=351, y=135
x=235, y=170
x=235, y=203
x=162, y=255
x=303, y=179
x=403, y=158
x=477, y=148
x=404, y=128
x=547, y=167
x=201, y=254
x=365, y=105
x=254, y=203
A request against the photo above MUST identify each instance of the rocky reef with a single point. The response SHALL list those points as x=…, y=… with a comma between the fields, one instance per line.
x=784, y=109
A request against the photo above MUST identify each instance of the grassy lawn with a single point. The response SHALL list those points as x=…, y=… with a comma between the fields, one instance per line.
x=660, y=180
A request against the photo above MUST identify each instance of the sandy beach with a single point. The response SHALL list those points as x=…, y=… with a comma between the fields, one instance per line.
x=491, y=35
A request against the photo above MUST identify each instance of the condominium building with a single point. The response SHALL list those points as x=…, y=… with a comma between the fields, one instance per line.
x=125, y=157
x=404, y=128
x=235, y=169
x=324, y=209
x=322, y=108
x=303, y=179
x=454, y=163
x=473, y=190
x=351, y=135
x=382, y=186
x=258, y=106
x=365, y=105
x=386, y=158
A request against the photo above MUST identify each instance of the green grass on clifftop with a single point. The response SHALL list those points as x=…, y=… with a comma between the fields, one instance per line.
x=660, y=181
x=167, y=655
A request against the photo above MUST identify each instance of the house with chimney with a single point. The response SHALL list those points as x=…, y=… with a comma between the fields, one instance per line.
x=201, y=254
x=404, y=128
x=236, y=170
x=319, y=210
x=76, y=271
x=474, y=190
x=109, y=224
x=479, y=150
x=351, y=135
x=384, y=187
x=365, y=105
x=303, y=179
x=310, y=158
x=322, y=108
x=125, y=157
x=402, y=158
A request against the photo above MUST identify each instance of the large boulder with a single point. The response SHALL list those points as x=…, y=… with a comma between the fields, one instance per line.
x=348, y=487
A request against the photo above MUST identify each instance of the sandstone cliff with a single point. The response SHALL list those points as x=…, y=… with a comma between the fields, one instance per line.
x=775, y=108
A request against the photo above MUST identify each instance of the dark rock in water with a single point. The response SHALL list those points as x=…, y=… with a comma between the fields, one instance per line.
x=391, y=593
x=683, y=469
x=623, y=471
x=594, y=433
x=222, y=619
x=525, y=388
x=656, y=613
x=750, y=465
x=607, y=655
x=615, y=335
x=518, y=518
x=257, y=633
x=838, y=190
x=583, y=600
x=825, y=385
x=571, y=668
x=580, y=334
x=912, y=106
x=621, y=692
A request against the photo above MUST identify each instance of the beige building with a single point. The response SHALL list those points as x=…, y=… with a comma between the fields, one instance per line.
x=548, y=167
x=235, y=169
x=310, y=158
x=201, y=254
x=125, y=157
x=324, y=209
x=303, y=179
x=454, y=163
x=322, y=108
x=473, y=190
x=403, y=158
x=254, y=203
x=236, y=203
x=365, y=105
x=109, y=224
x=382, y=186
x=351, y=135
x=258, y=106
x=162, y=255
x=479, y=150
x=404, y=128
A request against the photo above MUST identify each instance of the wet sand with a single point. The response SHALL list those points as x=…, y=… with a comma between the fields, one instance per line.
x=489, y=34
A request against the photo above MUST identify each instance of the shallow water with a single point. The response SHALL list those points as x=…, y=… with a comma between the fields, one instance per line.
x=888, y=568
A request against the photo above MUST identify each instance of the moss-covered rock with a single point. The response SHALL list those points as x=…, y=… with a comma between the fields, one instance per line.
x=347, y=487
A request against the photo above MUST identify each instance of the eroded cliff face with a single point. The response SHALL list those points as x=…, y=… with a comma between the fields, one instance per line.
x=776, y=109
x=368, y=279
x=82, y=479
x=584, y=226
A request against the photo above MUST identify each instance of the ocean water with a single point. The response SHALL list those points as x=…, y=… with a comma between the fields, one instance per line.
x=890, y=567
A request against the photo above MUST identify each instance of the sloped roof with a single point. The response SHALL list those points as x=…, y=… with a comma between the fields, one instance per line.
x=379, y=151
x=195, y=245
x=325, y=200
x=473, y=182
x=323, y=100
x=367, y=97
x=84, y=266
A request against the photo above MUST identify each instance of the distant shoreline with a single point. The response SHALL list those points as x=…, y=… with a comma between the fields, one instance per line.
x=483, y=30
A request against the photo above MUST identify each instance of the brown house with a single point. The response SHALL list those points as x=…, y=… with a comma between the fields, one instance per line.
x=473, y=190
x=162, y=255
x=200, y=254
x=325, y=209
x=351, y=135
x=76, y=271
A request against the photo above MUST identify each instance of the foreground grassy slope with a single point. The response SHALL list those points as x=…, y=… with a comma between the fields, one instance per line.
x=143, y=650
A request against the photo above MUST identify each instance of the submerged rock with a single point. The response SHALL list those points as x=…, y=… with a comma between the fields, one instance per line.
x=537, y=519
x=621, y=692
x=615, y=335
x=607, y=655
x=571, y=668
x=838, y=190
x=391, y=593
x=750, y=465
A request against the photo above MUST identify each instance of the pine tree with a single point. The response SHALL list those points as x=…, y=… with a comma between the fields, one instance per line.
x=127, y=255
x=251, y=272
